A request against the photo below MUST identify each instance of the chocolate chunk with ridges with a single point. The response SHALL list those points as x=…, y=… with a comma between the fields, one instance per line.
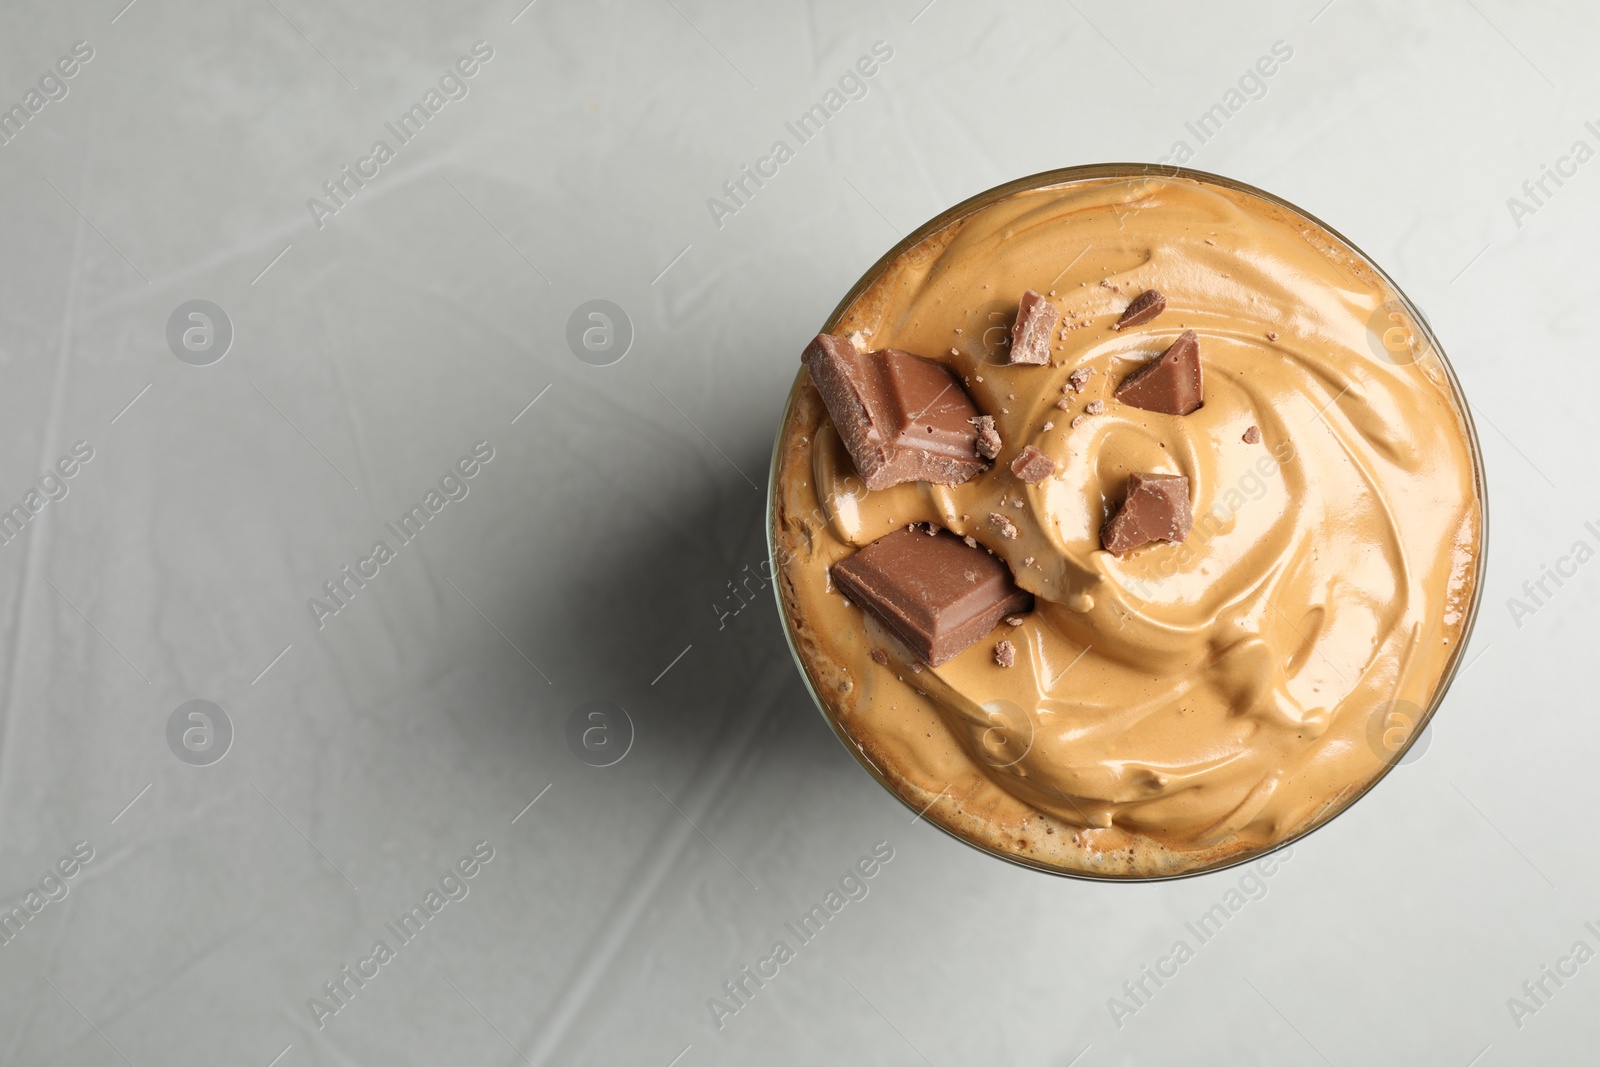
x=902, y=418
x=1032, y=465
x=988, y=443
x=1030, y=334
x=1170, y=383
x=1146, y=306
x=920, y=590
x=1155, y=509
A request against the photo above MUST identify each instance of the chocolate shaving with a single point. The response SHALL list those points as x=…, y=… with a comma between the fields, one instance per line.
x=902, y=418
x=1155, y=509
x=938, y=596
x=1146, y=306
x=1171, y=383
x=1030, y=334
x=1032, y=465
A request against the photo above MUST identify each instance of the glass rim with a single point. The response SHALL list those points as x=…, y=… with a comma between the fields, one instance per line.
x=1088, y=172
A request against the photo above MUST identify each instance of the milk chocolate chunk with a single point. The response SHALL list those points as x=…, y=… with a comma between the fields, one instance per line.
x=1156, y=509
x=1170, y=383
x=902, y=418
x=1032, y=465
x=988, y=443
x=936, y=594
x=1030, y=334
x=1146, y=306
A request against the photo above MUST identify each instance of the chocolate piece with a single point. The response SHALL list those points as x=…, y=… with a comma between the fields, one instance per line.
x=1146, y=306
x=1170, y=383
x=1007, y=528
x=1252, y=436
x=902, y=418
x=918, y=588
x=1014, y=620
x=880, y=657
x=1095, y=407
x=1032, y=465
x=1030, y=334
x=1156, y=509
x=1077, y=379
x=988, y=442
x=1005, y=654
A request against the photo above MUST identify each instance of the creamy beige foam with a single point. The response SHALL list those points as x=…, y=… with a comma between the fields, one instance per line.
x=1186, y=704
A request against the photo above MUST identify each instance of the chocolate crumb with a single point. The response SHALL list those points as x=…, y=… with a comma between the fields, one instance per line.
x=916, y=668
x=1027, y=561
x=1005, y=654
x=1013, y=620
x=970, y=576
x=972, y=542
x=1096, y=407
x=1007, y=528
x=1048, y=427
x=879, y=656
x=1252, y=436
x=1064, y=404
x=1077, y=420
x=1272, y=335
x=1078, y=379
x=931, y=530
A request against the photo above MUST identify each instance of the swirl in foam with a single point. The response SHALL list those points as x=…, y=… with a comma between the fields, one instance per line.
x=1185, y=704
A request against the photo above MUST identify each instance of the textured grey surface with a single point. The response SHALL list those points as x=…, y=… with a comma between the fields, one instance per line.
x=597, y=548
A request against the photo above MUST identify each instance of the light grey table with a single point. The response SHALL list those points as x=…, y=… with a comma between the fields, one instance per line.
x=361, y=338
